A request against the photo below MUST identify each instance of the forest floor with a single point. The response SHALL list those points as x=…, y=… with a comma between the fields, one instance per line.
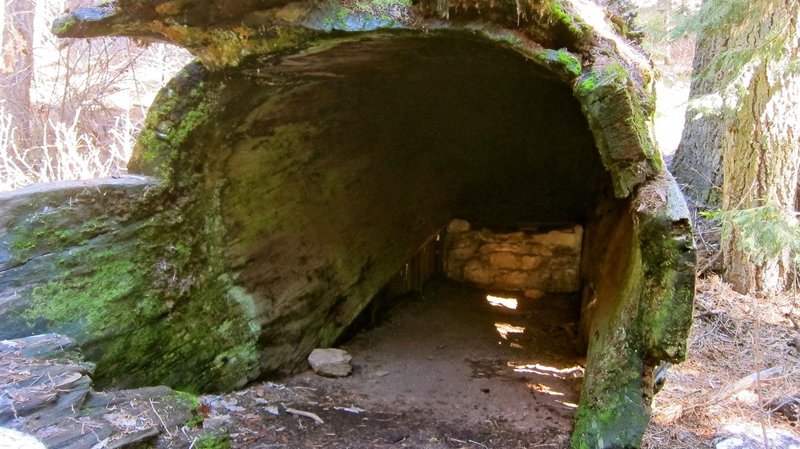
x=448, y=370
x=444, y=370
x=715, y=392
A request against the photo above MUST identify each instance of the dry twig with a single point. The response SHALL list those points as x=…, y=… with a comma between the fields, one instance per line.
x=309, y=415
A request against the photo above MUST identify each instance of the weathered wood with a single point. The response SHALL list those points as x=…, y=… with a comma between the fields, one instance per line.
x=49, y=395
x=301, y=169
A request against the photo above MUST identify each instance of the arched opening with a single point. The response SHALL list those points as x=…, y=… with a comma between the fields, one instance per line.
x=334, y=166
x=293, y=184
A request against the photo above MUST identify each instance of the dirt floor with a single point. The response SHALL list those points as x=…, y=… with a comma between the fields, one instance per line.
x=442, y=370
x=448, y=370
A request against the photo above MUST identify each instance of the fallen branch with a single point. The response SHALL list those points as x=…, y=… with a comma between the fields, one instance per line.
x=671, y=414
x=309, y=415
x=744, y=383
x=709, y=264
x=159, y=418
x=479, y=444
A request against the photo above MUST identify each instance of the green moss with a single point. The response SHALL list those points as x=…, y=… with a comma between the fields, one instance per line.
x=170, y=122
x=560, y=15
x=588, y=83
x=563, y=60
x=213, y=442
x=612, y=75
x=193, y=403
x=612, y=412
x=65, y=26
x=44, y=231
x=668, y=259
x=189, y=399
x=88, y=299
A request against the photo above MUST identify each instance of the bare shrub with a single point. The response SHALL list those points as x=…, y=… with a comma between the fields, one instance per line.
x=88, y=101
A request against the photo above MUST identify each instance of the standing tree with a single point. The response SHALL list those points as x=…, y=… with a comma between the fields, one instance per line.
x=740, y=148
x=16, y=69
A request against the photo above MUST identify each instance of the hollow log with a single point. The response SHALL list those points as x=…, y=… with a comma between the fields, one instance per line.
x=314, y=147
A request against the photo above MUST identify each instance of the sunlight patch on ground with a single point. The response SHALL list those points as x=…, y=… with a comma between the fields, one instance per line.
x=11, y=439
x=536, y=368
x=541, y=388
x=499, y=301
x=504, y=329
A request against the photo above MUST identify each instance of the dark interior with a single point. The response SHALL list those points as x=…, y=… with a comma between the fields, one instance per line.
x=339, y=162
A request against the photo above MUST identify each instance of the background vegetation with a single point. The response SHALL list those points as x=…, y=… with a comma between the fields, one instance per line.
x=86, y=101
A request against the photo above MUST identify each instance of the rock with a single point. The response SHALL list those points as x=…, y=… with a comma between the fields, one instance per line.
x=751, y=437
x=458, y=225
x=532, y=293
x=47, y=393
x=330, y=362
x=515, y=261
x=11, y=439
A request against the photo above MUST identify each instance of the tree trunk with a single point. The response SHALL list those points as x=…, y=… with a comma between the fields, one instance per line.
x=738, y=149
x=17, y=64
x=761, y=152
x=697, y=165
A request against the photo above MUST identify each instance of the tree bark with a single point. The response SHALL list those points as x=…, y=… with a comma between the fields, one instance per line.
x=739, y=149
x=16, y=70
x=697, y=165
x=760, y=148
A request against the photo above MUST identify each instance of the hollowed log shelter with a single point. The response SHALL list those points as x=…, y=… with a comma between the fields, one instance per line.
x=310, y=151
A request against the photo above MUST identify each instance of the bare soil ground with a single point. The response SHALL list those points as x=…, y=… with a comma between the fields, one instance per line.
x=447, y=370
x=444, y=370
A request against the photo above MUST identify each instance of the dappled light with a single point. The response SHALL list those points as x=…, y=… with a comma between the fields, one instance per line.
x=536, y=368
x=500, y=301
x=504, y=329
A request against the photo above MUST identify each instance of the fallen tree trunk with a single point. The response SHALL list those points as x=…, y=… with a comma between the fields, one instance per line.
x=310, y=153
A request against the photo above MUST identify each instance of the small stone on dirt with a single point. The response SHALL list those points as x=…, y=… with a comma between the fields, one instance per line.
x=330, y=362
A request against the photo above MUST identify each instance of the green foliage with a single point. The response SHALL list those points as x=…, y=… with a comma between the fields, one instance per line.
x=714, y=16
x=213, y=442
x=731, y=18
x=763, y=233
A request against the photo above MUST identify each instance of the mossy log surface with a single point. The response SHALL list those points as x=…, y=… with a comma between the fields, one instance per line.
x=121, y=267
x=311, y=151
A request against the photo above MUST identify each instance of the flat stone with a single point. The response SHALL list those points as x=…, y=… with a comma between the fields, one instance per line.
x=11, y=439
x=505, y=260
x=330, y=362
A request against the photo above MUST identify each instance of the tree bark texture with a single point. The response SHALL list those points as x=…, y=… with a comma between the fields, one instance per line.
x=739, y=149
x=697, y=165
x=761, y=151
x=16, y=70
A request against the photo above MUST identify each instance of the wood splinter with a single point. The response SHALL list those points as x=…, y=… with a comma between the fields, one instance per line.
x=309, y=415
